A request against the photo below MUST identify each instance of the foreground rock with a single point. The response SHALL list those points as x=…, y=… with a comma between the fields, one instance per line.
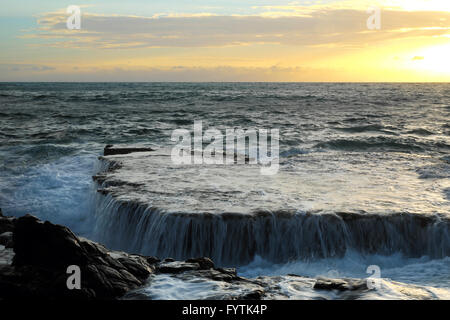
x=340, y=284
x=36, y=265
x=42, y=253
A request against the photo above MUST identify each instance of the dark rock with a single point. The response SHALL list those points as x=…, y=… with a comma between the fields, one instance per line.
x=110, y=150
x=6, y=239
x=340, y=284
x=229, y=271
x=217, y=275
x=203, y=267
x=43, y=251
x=45, y=244
x=254, y=295
x=134, y=266
x=100, y=178
x=153, y=260
x=102, y=191
x=176, y=267
x=205, y=263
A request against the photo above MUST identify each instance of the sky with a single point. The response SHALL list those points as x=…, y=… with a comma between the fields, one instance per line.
x=226, y=40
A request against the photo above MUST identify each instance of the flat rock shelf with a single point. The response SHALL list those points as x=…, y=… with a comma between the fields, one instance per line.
x=233, y=214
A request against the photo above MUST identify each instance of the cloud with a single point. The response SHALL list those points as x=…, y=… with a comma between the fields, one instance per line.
x=326, y=26
x=24, y=67
x=179, y=73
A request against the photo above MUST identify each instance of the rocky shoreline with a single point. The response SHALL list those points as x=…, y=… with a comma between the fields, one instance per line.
x=35, y=255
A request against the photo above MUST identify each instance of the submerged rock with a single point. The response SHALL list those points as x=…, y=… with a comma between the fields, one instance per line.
x=171, y=266
x=205, y=263
x=254, y=295
x=110, y=150
x=225, y=275
x=340, y=284
x=177, y=267
x=152, y=260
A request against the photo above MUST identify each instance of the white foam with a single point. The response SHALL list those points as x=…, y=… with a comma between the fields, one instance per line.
x=315, y=181
x=419, y=271
x=60, y=191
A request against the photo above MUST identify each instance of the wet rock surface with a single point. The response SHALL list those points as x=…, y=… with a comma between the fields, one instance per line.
x=171, y=266
x=111, y=150
x=177, y=267
x=36, y=265
x=340, y=284
x=42, y=253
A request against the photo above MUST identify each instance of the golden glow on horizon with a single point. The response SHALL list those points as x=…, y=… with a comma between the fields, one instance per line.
x=432, y=59
x=296, y=8
x=419, y=5
x=334, y=45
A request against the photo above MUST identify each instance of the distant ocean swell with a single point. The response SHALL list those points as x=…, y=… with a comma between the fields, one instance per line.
x=384, y=144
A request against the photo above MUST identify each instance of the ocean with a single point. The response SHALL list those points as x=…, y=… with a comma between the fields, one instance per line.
x=364, y=175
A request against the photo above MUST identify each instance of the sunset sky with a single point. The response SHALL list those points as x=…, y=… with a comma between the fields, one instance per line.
x=226, y=40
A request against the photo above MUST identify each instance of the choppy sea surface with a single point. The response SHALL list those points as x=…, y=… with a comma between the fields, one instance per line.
x=375, y=150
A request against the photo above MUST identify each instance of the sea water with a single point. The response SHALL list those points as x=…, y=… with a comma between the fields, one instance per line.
x=373, y=149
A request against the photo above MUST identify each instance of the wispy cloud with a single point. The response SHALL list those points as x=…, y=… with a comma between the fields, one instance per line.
x=180, y=73
x=327, y=26
x=25, y=67
x=325, y=40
